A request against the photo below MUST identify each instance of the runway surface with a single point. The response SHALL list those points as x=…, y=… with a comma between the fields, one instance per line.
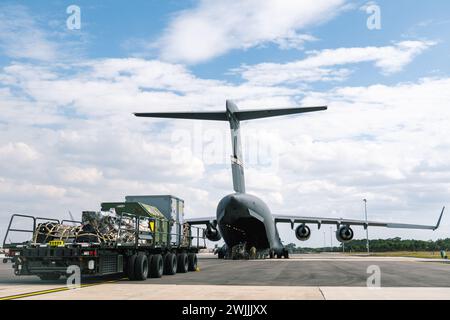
x=301, y=277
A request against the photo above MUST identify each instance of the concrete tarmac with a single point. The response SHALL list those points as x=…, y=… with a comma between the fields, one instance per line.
x=320, y=276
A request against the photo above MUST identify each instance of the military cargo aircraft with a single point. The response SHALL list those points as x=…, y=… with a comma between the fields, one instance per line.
x=245, y=221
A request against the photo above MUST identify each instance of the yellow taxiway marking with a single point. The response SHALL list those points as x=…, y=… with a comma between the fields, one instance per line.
x=41, y=292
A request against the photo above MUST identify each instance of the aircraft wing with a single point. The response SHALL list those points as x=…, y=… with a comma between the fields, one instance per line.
x=339, y=221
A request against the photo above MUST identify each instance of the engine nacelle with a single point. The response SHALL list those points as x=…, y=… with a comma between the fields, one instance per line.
x=212, y=233
x=302, y=232
x=344, y=234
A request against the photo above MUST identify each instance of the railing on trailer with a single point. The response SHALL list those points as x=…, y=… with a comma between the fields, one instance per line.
x=35, y=221
x=197, y=236
x=156, y=234
x=71, y=221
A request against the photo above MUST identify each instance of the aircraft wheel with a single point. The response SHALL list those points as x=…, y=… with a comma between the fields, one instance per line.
x=234, y=253
x=271, y=254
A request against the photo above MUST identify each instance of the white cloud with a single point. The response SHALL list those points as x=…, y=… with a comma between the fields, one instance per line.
x=21, y=36
x=216, y=27
x=327, y=65
x=29, y=190
x=17, y=152
x=293, y=41
x=386, y=143
x=81, y=175
x=68, y=140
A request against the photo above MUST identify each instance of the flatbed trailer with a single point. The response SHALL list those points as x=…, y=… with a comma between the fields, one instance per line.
x=137, y=260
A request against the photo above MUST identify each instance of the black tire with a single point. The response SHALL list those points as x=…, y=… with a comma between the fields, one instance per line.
x=183, y=264
x=141, y=267
x=220, y=255
x=49, y=276
x=192, y=262
x=170, y=264
x=286, y=254
x=271, y=254
x=234, y=254
x=130, y=267
x=156, y=266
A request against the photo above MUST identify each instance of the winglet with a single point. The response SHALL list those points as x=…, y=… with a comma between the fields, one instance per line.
x=440, y=217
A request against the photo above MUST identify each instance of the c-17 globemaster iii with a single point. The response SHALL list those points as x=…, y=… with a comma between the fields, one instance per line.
x=244, y=220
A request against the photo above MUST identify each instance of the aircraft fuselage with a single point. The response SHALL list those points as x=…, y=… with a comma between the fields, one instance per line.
x=244, y=218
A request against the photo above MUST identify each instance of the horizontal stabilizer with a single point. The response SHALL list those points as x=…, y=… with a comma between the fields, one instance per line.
x=219, y=115
x=240, y=115
x=266, y=113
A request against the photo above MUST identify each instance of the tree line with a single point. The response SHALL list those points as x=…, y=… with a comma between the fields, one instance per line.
x=380, y=245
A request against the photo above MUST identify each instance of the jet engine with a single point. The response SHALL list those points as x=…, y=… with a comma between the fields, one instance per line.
x=302, y=232
x=212, y=233
x=344, y=234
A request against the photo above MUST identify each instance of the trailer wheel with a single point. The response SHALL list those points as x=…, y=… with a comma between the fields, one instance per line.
x=49, y=276
x=130, y=267
x=170, y=264
x=183, y=264
x=141, y=267
x=156, y=266
x=192, y=262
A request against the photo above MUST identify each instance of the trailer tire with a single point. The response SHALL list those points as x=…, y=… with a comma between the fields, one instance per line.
x=192, y=262
x=49, y=276
x=156, y=266
x=183, y=264
x=170, y=264
x=130, y=267
x=141, y=267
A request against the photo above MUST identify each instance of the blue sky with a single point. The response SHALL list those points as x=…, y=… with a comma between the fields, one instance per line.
x=67, y=97
x=115, y=30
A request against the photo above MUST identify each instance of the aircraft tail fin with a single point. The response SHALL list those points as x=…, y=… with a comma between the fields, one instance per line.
x=234, y=116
